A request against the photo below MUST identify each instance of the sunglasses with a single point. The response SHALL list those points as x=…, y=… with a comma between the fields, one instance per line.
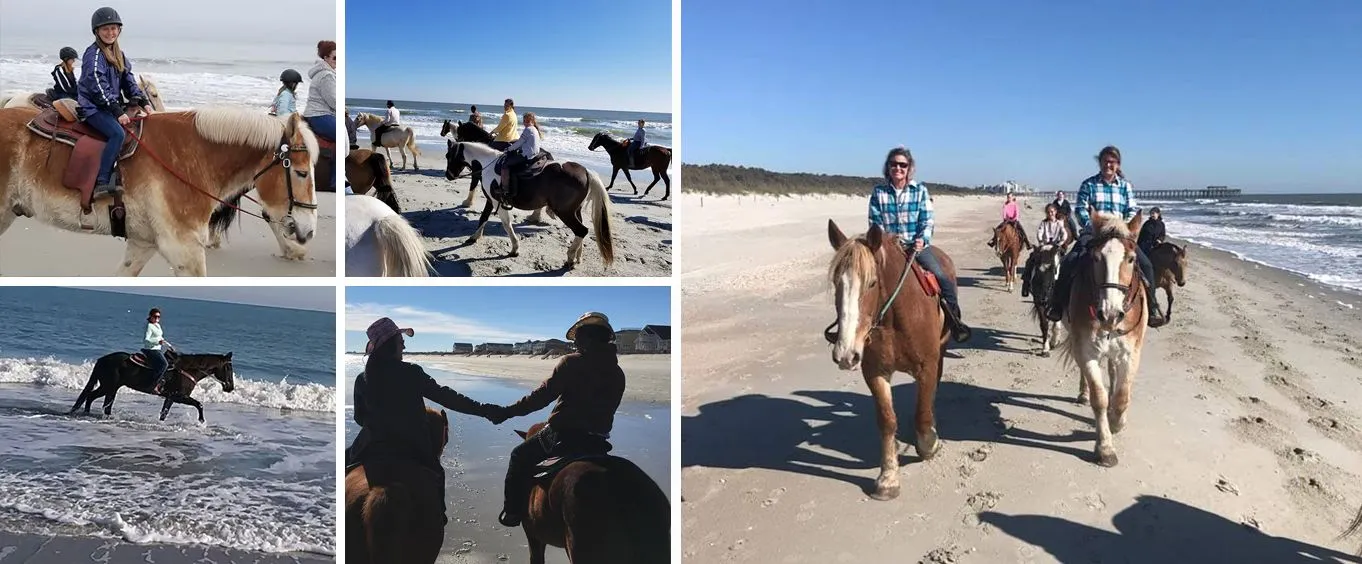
x=898, y=164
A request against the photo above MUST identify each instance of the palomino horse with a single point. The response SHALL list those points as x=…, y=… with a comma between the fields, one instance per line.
x=1044, y=273
x=39, y=100
x=887, y=323
x=1170, y=267
x=469, y=132
x=1106, y=325
x=403, y=137
x=115, y=370
x=365, y=169
x=656, y=157
x=398, y=520
x=563, y=187
x=601, y=509
x=1008, y=249
x=188, y=165
x=379, y=242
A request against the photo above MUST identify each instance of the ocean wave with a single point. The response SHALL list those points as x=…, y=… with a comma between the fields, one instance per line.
x=1351, y=221
x=278, y=395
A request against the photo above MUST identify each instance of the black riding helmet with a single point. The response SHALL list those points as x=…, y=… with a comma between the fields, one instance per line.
x=291, y=76
x=104, y=16
x=68, y=53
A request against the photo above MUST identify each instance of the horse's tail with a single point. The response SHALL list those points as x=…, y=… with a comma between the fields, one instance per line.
x=403, y=249
x=411, y=142
x=90, y=385
x=386, y=511
x=600, y=216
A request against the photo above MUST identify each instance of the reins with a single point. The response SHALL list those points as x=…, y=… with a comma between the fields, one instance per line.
x=831, y=333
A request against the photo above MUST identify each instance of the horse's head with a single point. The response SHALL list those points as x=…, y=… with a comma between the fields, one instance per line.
x=438, y=425
x=1114, y=272
x=854, y=274
x=445, y=128
x=454, y=161
x=221, y=370
x=288, y=192
x=152, y=91
x=533, y=429
x=1180, y=265
x=598, y=140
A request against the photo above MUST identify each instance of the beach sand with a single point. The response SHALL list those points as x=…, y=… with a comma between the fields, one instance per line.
x=44, y=549
x=1244, y=440
x=649, y=375
x=642, y=230
x=33, y=248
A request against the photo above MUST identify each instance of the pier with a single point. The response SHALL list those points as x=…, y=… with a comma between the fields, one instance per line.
x=1207, y=192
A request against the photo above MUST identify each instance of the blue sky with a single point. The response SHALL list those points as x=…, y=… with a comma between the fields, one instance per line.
x=292, y=297
x=582, y=54
x=1256, y=94
x=442, y=316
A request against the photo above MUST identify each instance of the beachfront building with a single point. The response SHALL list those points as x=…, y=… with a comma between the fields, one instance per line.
x=494, y=348
x=524, y=347
x=654, y=339
x=626, y=339
x=463, y=348
x=551, y=346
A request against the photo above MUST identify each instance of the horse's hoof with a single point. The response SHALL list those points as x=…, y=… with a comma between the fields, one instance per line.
x=885, y=493
x=514, y=254
x=962, y=335
x=1081, y=400
x=1043, y=354
x=1116, y=426
x=1107, y=459
x=931, y=451
x=569, y=265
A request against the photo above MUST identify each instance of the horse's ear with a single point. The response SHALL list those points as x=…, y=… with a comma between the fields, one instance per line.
x=835, y=235
x=229, y=356
x=875, y=238
x=444, y=415
x=1183, y=249
x=522, y=434
x=1134, y=224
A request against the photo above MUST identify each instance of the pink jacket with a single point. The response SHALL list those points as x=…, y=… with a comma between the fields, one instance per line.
x=1010, y=211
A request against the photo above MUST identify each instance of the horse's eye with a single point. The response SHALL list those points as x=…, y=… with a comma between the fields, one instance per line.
x=302, y=174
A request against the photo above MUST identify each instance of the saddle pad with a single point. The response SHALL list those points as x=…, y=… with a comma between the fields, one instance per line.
x=551, y=466
x=929, y=283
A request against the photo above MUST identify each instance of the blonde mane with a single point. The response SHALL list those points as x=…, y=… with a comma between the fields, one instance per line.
x=248, y=128
x=1108, y=226
x=853, y=256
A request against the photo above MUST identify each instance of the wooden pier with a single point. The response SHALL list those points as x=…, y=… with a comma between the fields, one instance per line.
x=1208, y=192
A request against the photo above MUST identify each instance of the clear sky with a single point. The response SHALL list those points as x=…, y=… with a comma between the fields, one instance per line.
x=582, y=54
x=1260, y=95
x=243, y=22
x=442, y=316
x=293, y=297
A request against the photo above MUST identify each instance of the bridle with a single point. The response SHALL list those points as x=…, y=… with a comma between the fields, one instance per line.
x=1127, y=293
x=282, y=158
x=831, y=334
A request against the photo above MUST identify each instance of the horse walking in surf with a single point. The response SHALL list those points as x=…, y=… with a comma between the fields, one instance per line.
x=114, y=371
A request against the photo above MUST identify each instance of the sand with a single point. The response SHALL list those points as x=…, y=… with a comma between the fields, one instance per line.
x=1243, y=443
x=33, y=248
x=43, y=549
x=648, y=375
x=642, y=230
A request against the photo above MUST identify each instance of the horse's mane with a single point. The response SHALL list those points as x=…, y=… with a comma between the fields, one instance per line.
x=1107, y=227
x=247, y=128
x=854, y=255
x=197, y=361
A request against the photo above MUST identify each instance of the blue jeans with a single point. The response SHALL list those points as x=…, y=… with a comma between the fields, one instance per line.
x=323, y=126
x=928, y=261
x=157, y=359
x=108, y=126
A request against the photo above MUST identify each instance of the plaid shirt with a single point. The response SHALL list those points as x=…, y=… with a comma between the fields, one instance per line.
x=1112, y=198
x=906, y=214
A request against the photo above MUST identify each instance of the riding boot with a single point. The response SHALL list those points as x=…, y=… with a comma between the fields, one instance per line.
x=1156, y=319
x=108, y=188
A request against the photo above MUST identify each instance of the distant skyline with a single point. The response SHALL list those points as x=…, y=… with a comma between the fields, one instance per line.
x=321, y=298
x=443, y=315
x=584, y=54
x=1255, y=95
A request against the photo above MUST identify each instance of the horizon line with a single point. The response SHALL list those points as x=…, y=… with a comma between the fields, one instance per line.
x=668, y=112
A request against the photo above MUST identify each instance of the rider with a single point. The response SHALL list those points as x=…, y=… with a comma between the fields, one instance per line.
x=320, y=112
x=390, y=121
x=285, y=101
x=520, y=153
x=1051, y=231
x=1153, y=231
x=64, y=76
x=637, y=144
x=350, y=130
x=1010, y=214
x=390, y=406
x=903, y=209
x=1065, y=209
x=105, y=76
x=588, y=385
x=151, y=349
x=474, y=117
x=505, y=133
x=1107, y=192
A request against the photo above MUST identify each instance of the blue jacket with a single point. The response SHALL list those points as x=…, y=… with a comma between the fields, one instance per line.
x=101, y=86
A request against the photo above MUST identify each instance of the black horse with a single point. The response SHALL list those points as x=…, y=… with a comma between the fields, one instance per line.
x=655, y=157
x=115, y=370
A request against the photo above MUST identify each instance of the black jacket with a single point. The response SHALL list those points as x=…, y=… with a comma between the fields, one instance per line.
x=64, y=84
x=390, y=408
x=1151, y=234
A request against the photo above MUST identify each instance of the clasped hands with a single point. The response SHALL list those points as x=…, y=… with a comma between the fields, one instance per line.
x=495, y=413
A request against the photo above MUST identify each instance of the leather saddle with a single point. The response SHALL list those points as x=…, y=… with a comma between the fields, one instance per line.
x=59, y=123
x=550, y=467
x=929, y=283
x=141, y=360
x=524, y=173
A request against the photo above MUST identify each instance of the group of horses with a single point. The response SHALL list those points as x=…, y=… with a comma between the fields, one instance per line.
x=381, y=243
x=184, y=176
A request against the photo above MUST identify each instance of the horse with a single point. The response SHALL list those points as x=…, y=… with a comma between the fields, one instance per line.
x=402, y=137
x=656, y=157
x=1170, y=267
x=887, y=323
x=39, y=100
x=467, y=131
x=399, y=520
x=116, y=370
x=601, y=509
x=1008, y=249
x=365, y=169
x=1044, y=273
x=1106, y=320
x=563, y=187
x=187, y=167
x=379, y=242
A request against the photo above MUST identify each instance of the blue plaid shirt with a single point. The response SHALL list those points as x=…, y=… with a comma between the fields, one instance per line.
x=1112, y=198
x=906, y=214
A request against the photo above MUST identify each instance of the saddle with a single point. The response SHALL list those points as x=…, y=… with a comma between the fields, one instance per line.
x=141, y=360
x=59, y=124
x=550, y=467
x=523, y=173
x=930, y=285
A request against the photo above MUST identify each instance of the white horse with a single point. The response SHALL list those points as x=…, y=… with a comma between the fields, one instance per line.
x=153, y=93
x=402, y=137
x=379, y=242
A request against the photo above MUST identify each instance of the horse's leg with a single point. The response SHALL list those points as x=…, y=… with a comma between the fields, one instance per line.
x=1097, y=389
x=573, y=219
x=505, y=216
x=656, y=178
x=667, y=183
x=1169, y=292
x=1123, y=380
x=537, y=218
x=472, y=191
x=192, y=403
x=165, y=407
x=108, y=401
x=135, y=258
x=927, y=443
x=185, y=259
x=613, y=176
x=887, y=485
x=482, y=222
x=537, y=549
x=631, y=181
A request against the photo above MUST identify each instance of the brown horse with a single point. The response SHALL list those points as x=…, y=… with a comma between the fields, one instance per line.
x=365, y=169
x=1106, y=325
x=655, y=157
x=1170, y=267
x=601, y=510
x=469, y=132
x=187, y=166
x=398, y=521
x=887, y=323
x=1009, y=250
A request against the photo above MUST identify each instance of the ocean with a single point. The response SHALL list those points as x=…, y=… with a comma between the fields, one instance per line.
x=258, y=475
x=188, y=74
x=1315, y=235
x=475, y=459
x=566, y=132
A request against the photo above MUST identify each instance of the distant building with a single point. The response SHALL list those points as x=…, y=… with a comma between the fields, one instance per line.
x=654, y=339
x=463, y=348
x=551, y=346
x=626, y=340
x=494, y=348
x=524, y=347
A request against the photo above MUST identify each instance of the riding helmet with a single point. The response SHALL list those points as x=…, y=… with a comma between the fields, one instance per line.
x=68, y=53
x=104, y=16
x=291, y=75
